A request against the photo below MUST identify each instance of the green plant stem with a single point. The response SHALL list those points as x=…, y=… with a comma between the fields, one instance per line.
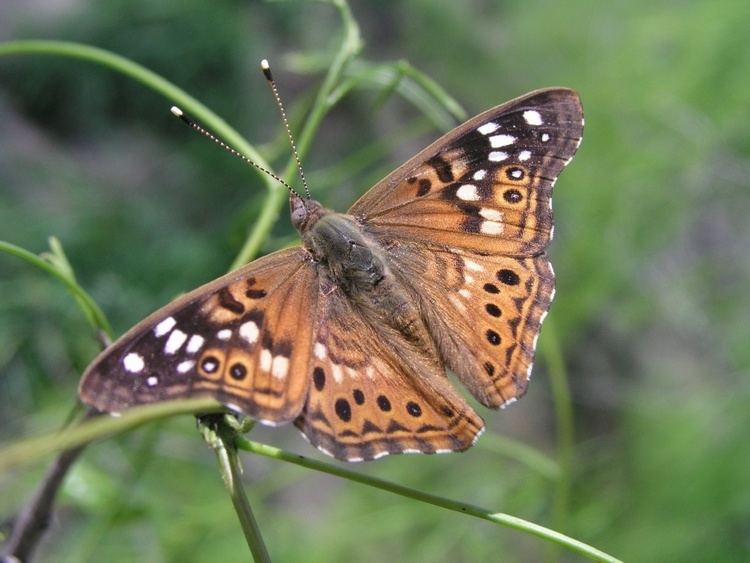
x=90, y=309
x=34, y=449
x=553, y=356
x=226, y=454
x=494, y=517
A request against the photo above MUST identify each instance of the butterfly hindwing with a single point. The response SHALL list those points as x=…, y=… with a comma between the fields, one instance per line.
x=373, y=393
x=484, y=312
x=486, y=186
x=239, y=339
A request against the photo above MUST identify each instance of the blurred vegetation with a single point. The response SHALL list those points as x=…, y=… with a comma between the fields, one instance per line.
x=650, y=250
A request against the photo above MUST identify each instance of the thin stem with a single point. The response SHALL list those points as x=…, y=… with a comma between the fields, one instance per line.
x=32, y=522
x=90, y=309
x=494, y=517
x=34, y=449
x=226, y=453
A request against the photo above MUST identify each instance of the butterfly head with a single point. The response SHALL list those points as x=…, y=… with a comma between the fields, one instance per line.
x=305, y=213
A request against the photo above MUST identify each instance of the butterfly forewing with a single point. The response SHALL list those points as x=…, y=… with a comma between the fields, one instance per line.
x=486, y=186
x=242, y=339
x=373, y=393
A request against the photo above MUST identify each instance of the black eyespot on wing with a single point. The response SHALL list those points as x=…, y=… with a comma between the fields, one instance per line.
x=508, y=277
x=384, y=403
x=343, y=410
x=359, y=397
x=493, y=337
x=319, y=378
x=491, y=288
x=238, y=371
x=493, y=309
x=413, y=409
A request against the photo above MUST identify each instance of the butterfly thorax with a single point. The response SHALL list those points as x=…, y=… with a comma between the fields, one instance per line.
x=357, y=265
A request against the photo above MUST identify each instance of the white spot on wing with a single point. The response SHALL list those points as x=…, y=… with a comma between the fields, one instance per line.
x=479, y=174
x=186, y=366
x=164, y=326
x=497, y=156
x=380, y=454
x=488, y=128
x=337, y=372
x=524, y=155
x=465, y=293
x=468, y=192
x=508, y=402
x=267, y=422
x=320, y=351
x=280, y=367
x=325, y=451
x=491, y=228
x=266, y=360
x=497, y=141
x=479, y=434
x=249, y=332
x=516, y=173
x=457, y=303
x=133, y=362
x=545, y=137
x=532, y=117
x=152, y=380
x=491, y=214
x=176, y=339
x=224, y=334
x=471, y=265
x=195, y=343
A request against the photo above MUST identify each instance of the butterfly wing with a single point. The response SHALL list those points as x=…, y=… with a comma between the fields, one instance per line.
x=484, y=312
x=466, y=222
x=244, y=339
x=373, y=393
x=486, y=186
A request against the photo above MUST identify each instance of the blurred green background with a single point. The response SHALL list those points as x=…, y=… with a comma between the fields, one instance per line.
x=651, y=252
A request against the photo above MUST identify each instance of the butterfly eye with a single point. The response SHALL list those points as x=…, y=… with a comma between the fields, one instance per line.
x=299, y=212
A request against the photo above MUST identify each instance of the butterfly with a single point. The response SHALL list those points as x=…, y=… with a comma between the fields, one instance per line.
x=441, y=265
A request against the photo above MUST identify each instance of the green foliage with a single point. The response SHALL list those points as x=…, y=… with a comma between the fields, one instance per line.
x=651, y=312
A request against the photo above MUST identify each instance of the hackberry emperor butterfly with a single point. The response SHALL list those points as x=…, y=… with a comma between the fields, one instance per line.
x=440, y=265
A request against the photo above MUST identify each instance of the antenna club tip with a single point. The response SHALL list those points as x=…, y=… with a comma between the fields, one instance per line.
x=266, y=68
x=176, y=111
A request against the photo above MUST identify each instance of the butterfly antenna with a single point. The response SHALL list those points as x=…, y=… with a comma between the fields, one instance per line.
x=266, y=68
x=177, y=112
